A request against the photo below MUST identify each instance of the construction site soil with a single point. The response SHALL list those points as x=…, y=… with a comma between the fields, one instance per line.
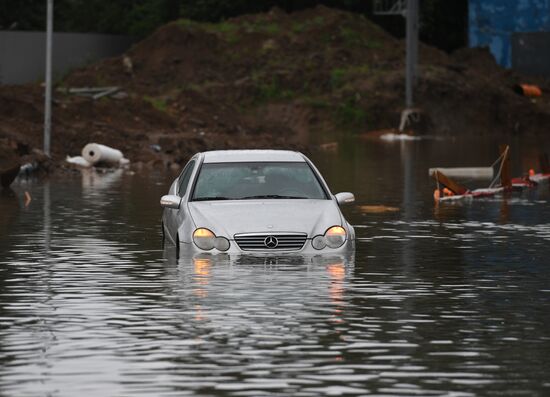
x=272, y=80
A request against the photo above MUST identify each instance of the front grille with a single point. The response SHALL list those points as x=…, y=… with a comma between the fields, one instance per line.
x=266, y=242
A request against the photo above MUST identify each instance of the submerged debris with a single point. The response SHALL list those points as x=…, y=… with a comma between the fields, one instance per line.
x=78, y=161
x=528, y=90
x=377, y=209
x=92, y=92
x=94, y=154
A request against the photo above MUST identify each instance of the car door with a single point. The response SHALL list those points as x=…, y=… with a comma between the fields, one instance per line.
x=173, y=218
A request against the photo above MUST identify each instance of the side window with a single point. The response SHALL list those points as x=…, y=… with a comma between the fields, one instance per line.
x=184, y=178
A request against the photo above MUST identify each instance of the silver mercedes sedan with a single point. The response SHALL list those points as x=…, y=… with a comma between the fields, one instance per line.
x=254, y=202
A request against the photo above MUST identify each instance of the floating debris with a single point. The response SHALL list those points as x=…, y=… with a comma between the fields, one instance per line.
x=94, y=154
x=97, y=154
x=78, y=161
x=544, y=173
x=93, y=92
x=528, y=90
x=329, y=147
x=449, y=190
x=28, y=168
x=377, y=209
x=390, y=135
x=399, y=137
x=465, y=172
x=28, y=199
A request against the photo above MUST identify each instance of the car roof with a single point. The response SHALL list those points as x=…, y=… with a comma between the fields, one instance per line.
x=236, y=156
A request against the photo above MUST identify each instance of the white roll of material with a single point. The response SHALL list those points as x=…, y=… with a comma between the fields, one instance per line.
x=96, y=153
x=465, y=172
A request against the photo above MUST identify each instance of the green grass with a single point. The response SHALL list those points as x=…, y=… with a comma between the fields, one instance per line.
x=261, y=27
x=222, y=27
x=272, y=28
x=300, y=27
x=228, y=31
x=272, y=90
x=315, y=102
x=339, y=76
x=353, y=38
x=318, y=20
x=269, y=88
x=187, y=23
x=199, y=87
x=158, y=103
x=351, y=115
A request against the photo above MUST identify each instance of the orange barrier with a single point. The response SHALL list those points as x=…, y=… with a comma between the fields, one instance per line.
x=528, y=90
x=446, y=193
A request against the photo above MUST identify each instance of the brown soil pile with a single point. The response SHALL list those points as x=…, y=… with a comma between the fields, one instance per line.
x=266, y=80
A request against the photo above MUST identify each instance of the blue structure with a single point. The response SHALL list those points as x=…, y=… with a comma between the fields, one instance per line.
x=492, y=23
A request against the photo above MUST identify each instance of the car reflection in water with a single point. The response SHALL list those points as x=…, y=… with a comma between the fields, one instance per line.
x=221, y=286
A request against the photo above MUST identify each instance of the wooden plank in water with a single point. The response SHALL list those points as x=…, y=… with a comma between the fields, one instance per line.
x=449, y=183
x=505, y=175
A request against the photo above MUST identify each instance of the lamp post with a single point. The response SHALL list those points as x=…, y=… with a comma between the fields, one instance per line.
x=48, y=94
x=412, y=50
x=409, y=10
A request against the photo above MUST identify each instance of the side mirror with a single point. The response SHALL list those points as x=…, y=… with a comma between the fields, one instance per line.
x=170, y=201
x=344, y=198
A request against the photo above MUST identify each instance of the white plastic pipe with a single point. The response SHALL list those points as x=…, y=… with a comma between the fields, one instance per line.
x=95, y=153
x=465, y=172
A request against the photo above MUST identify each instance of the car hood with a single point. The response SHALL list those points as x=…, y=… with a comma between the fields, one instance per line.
x=228, y=218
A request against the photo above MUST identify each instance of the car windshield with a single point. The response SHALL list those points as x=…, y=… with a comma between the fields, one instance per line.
x=258, y=180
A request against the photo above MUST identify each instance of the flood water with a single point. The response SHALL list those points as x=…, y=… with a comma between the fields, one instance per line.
x=451, y=300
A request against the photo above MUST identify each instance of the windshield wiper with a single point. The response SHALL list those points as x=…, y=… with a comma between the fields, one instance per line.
x=208, y=198
x=271, y=196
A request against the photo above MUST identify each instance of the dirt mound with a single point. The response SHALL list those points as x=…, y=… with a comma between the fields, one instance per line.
x=268, y=80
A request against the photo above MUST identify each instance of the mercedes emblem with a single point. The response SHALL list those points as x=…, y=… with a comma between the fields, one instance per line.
x=271, y=242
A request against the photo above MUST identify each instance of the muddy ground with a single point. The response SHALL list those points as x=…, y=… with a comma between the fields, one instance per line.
x=268, y=80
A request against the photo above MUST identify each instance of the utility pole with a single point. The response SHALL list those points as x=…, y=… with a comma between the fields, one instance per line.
x=412, y=51
x=409, y=10
x=48, y=94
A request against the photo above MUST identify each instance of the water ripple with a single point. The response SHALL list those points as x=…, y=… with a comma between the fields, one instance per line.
x=426, y=308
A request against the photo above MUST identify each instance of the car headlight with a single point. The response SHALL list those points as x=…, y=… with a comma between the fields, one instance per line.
x=206, y=240
x=221, y=244
x=319, y=242
x=334, y=237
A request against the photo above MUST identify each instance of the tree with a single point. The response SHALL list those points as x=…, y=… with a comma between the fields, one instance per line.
x=22, y=14
x=443, y=22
